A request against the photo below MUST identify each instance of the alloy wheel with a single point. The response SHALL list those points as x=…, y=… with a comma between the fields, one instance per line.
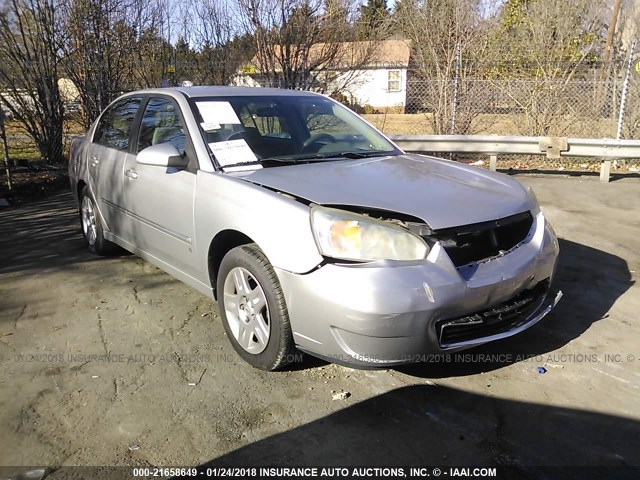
x=89, y=227
x=247, y=310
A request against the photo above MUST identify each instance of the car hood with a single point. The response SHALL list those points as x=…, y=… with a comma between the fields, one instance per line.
x=440, y=192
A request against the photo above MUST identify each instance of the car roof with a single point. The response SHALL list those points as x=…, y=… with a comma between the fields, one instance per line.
x=220, y=91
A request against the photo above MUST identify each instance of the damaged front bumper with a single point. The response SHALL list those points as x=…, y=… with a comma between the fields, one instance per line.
x=390, y=313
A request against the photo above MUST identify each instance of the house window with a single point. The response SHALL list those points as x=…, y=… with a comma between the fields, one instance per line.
x=393, y=81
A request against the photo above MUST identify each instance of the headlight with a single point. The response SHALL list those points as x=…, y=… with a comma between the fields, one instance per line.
x=533, y=201
x=349, y=236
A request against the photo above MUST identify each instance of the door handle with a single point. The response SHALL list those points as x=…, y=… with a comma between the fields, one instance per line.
x=131, y=174
x=94, y=161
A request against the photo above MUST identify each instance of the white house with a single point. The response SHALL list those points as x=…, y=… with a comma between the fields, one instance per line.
x=381, y=82
x=370, y=74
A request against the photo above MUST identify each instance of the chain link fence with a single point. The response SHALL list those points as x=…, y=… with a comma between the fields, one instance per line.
x=532, y=107
x=587, y=109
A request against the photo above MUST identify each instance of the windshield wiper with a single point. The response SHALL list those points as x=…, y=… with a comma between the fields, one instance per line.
x=241, y=164
x=305, y=157
x=372, y=153
x=310, y=157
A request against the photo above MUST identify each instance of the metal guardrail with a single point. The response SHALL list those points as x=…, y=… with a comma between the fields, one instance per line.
x=604, y=150
x=598, y=149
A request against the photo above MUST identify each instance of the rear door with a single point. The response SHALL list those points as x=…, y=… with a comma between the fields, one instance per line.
x=107, y=156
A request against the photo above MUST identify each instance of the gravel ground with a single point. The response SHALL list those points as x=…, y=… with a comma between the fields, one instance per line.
x=98, y=355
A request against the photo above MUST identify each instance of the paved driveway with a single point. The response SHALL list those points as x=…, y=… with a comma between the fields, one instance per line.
x=101, y=354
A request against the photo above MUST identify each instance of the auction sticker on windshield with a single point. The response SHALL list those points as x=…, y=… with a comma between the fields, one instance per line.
x=217, y=112
x=233, y=152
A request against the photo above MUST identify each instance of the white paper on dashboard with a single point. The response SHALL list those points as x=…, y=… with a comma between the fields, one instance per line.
x=210, y=126
x=243, y=168
x=233, y=151
x=217, y=112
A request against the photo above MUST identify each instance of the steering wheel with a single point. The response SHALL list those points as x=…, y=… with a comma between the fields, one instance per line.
x=313, y=139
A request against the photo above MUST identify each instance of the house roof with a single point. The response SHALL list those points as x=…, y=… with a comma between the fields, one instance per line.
x=364, y=54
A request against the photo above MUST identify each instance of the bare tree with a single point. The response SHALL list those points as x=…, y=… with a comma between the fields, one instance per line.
x=304, y=44
x=111, y=47
x=217, y=38
x=29, y=43
x=155, y=23
x=447, y=38
x=543, y=47
x=5, y=149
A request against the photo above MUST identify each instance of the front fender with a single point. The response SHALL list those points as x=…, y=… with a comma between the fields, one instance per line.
x=279, y=224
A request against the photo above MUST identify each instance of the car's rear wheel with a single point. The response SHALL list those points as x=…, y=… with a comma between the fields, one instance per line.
x=253, y=310
x=92, y=227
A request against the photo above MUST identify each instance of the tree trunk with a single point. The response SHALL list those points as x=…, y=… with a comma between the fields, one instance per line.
x=5, y=149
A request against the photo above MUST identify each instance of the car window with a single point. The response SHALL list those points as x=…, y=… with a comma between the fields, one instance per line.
x=320, y=123
x=115, y=125
x=161, y=123
x=266, y=118
x=244, y=129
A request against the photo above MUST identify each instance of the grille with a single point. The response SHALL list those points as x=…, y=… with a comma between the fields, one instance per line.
x=498, y=319
x=472, y=243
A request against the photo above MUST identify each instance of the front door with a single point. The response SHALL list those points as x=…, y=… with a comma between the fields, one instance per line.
x=159, y=200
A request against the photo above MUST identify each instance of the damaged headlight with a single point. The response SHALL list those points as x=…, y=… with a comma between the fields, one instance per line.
x=533, y=201
x=349, y=236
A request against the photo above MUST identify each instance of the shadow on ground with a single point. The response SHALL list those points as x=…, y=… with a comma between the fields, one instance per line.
x=45, y=236
x=591, y=281
x=41, y=238
x=436, y=425
x=41, y=235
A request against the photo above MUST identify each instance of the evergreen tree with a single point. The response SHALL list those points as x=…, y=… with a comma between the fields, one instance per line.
x=373, y=16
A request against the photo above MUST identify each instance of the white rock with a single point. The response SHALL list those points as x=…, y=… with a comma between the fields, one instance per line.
x=36, y=474
x=553, y=365
x=341, y=396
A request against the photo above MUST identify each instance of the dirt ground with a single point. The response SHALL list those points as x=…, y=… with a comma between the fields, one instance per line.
x=98, y=355
x=494, y=124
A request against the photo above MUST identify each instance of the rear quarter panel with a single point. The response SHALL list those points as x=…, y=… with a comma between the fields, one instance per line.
x=77, y=163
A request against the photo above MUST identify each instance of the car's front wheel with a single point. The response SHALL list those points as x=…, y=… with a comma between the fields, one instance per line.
x=253, y=310
x=92, y=227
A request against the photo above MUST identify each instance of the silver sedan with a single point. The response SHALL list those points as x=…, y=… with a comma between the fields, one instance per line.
x=311, y=229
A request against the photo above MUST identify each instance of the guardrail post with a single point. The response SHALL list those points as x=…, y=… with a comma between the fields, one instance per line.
x=605, y=171
x=493, y=161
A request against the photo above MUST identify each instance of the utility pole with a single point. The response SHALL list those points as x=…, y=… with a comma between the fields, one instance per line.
x=456, y=81
x=610, y=34
x=606, y=57
x=625, y=90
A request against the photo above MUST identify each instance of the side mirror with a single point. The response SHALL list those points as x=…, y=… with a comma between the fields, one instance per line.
x=162, y=155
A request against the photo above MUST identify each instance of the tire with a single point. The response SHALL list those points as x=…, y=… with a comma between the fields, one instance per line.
x=256, y=321
x=91, y=226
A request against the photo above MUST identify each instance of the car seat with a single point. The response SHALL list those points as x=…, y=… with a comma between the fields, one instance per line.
x=168, y=128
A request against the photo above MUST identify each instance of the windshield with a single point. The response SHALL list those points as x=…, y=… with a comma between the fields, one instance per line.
x=271, y=130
